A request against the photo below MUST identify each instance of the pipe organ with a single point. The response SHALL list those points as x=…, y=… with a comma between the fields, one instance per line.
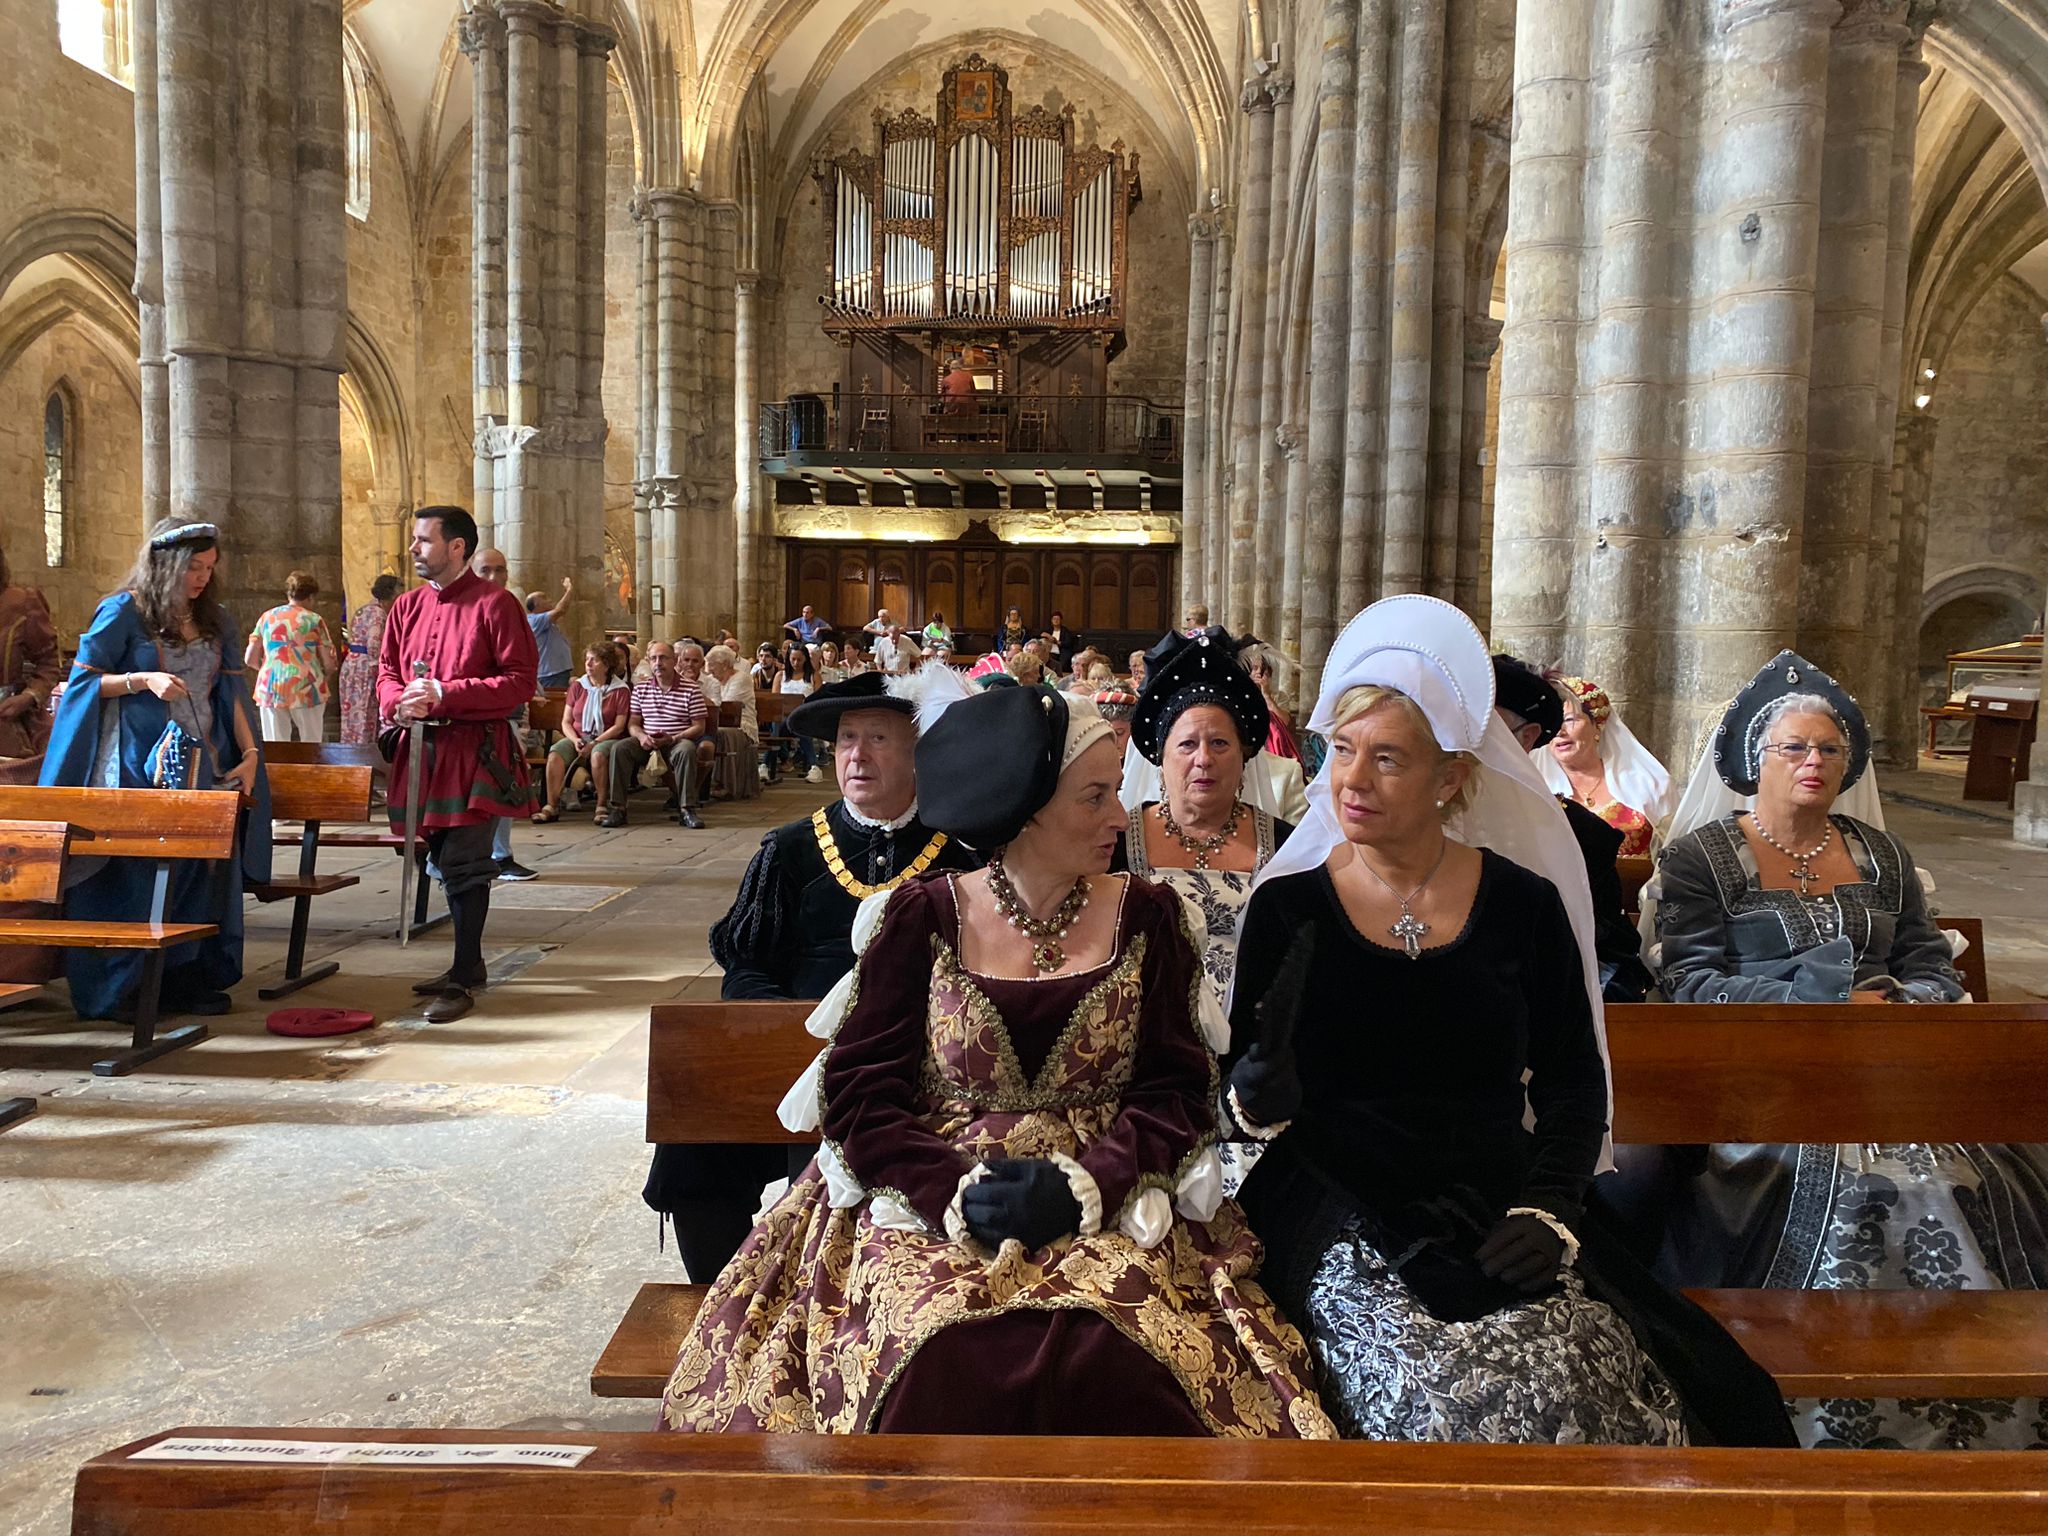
x=979, y=219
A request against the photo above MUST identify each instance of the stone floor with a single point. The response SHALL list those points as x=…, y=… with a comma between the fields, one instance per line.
x=439, y=1225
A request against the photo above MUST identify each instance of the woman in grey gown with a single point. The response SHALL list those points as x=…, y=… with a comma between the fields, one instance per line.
x=1793, y=902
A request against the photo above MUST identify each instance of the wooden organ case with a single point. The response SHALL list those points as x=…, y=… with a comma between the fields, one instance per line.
x=986, y=235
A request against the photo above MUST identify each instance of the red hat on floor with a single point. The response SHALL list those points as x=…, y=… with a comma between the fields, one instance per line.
x=316, y=1023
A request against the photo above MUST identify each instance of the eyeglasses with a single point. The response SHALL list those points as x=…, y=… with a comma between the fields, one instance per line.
x=1799, y=751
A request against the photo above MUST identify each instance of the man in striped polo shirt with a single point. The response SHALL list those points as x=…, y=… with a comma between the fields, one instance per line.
x=668, y=716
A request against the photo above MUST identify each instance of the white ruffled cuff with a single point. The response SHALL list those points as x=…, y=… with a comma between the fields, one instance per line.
x=1564, y=1233
x=956, y=1222
x=1147, y=1217
x=842, y=1190
x=1249, y=1126
x=1087, y=1193
x=798, y=1110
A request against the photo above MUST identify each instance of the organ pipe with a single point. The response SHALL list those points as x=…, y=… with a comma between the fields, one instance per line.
x=970, y=216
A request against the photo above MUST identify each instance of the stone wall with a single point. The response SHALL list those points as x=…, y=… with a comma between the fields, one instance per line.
x=1988, y=501
x=67, y=134
x=105, y=470
x=798, y=355
x=446, y=422
x=621, y=362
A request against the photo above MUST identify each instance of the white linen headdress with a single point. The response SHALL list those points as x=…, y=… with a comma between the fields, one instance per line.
x=1430, y=651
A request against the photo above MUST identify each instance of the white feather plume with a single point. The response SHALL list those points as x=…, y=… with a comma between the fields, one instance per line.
x=934, y=688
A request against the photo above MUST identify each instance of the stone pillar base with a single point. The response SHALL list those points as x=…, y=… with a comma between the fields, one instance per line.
x=2030, y=813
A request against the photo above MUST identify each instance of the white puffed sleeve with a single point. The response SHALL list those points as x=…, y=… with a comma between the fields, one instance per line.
x=798, y=1110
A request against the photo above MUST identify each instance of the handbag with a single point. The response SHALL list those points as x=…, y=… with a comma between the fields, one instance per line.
x=174, y=760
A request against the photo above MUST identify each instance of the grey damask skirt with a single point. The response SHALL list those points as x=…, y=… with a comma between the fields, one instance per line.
x=1564, y=1369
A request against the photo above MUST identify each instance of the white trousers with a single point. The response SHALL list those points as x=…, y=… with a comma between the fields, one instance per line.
x=305, y=723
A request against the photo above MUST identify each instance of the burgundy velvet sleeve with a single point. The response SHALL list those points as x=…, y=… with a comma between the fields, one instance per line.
x=874, y=1065
x=1166, y=1111
x=501, y=695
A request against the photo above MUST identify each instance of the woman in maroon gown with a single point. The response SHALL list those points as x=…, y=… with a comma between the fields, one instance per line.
x=1015, y=1222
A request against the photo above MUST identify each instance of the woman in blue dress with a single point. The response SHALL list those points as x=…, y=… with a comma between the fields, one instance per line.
x=161, y=651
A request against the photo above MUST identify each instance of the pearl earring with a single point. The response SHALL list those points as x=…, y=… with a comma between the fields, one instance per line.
x=1439, y=805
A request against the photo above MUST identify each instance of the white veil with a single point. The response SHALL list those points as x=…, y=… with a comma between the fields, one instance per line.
x=1634, y=776
x=1429, y=650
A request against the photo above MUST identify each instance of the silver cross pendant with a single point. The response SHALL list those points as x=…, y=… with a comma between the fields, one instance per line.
x=1409, y=930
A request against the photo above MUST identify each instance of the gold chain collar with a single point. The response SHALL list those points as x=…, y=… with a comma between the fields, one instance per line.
x=858, y=889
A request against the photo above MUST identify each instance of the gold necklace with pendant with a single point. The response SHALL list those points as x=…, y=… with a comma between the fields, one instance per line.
x=1047, y=953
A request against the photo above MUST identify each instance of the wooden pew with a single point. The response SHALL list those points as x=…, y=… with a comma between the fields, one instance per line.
x=161, y=825
x=1635, y=874
x=1683, y=1073
x=311, y=794
x=1971, y=964
x=854, y=1485
x=348, y=755
x=31, y=870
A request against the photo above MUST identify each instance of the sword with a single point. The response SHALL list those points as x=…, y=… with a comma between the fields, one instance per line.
x=415, y=737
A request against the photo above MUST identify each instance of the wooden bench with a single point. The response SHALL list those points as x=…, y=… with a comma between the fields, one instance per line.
x=1683, y=1073
x=310, y=793
x=349, y=755
x=854, y=1485
x=31, y=870
x=162, y=825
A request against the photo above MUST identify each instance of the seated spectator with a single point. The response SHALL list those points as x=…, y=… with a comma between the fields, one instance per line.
x=736, y=770
x=595, y=715
x=807, y=627
x=893, y=653
x=1116, y=707
x=767, y=669
x=1596, y=760
x=936, y=633
x=1137, y=661
x=880, y=624
x=1064, y=643
x=1013, y=631
x=855, y=660
x=668, y=717
x=1028, y=670
x=829, y=669
x=800, y=680
x=1263, y=663
x=1195, y=619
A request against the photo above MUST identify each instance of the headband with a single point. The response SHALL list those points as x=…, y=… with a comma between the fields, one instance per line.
x=184, y=533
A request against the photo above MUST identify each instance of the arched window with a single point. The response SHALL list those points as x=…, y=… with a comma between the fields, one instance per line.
x=56, y=477
x=100, y=35
x=355, y=100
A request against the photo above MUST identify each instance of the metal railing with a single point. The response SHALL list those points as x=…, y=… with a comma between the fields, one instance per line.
x=1123, y=426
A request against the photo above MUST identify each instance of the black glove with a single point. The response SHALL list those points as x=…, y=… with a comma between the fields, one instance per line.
x=1522, y=1251
x=1266, y=1081
x=1026, y=1198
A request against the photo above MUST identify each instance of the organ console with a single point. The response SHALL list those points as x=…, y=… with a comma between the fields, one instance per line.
x=980, y=227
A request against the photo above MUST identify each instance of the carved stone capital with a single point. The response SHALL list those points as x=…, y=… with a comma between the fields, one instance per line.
x=1204, y=226
x=1257, y=96
x=1874, y=23
x=480, y=29
x=1482, y=340
x=1281, y=88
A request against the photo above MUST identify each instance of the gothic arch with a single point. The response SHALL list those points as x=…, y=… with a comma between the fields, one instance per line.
x=1988, y=579
x=87, y=235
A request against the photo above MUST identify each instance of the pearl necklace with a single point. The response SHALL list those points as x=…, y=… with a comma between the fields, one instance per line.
x=1047, y=953
x=1203, y=847
x=1802, y=863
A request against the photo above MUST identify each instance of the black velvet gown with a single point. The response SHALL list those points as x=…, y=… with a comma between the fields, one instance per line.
x=1410, y=1146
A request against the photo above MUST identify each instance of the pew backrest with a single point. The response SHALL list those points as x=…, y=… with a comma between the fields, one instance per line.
x=318, y=792
x=32, y=860
x=1683, y=1073
x=1971, y=964
x=853, y=1485
x=337, y=754
x=134, y=823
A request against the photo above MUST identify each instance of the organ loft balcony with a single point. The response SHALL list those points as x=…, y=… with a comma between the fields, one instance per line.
x=1072, y=452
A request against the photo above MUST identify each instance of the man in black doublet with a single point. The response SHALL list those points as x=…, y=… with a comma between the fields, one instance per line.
x=789, y=933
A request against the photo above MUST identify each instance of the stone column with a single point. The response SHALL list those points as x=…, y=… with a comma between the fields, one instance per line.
x=1270, y=526
x=689, y=322
x=754, y=512
x=538, y=264
x=1912, y=479
x=1472, y=590
x=1312, y=536
x=1248, y=421
x=241, y=281
x=646, y=359
x=1852, y=381
x=1216, y=493
x=1194, y=441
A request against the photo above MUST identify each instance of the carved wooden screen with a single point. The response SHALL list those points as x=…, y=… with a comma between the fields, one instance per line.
x=977, y=216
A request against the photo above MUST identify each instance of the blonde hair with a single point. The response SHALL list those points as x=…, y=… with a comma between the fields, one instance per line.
x=1354, y=704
